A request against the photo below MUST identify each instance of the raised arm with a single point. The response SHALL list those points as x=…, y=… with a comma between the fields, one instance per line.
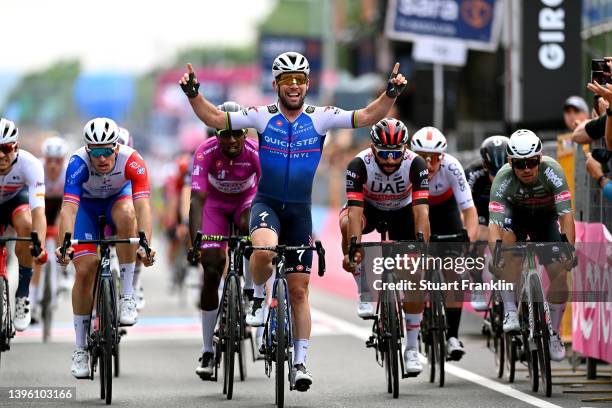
x=378, y=108
x=206, y=111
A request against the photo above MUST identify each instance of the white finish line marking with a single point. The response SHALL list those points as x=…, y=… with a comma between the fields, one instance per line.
x=363, y=334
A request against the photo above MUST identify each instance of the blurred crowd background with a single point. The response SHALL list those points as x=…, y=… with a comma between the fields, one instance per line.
x=493, y=66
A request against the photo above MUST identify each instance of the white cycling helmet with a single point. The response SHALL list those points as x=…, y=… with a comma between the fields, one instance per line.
x=8, y=131
x=124, y=137
x=290, y=62
x=54, y=147
x=101, y=131
x=524, y=144
x=429, y=140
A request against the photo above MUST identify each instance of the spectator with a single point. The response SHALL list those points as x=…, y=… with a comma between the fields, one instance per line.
x=575, y=111
x=595, y=169
x=605, y=91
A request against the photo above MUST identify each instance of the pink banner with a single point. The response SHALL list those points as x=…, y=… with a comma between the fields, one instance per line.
x=591, y=326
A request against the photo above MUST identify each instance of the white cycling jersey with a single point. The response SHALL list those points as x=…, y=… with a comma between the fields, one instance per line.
x=450, y=180
x=27, y=171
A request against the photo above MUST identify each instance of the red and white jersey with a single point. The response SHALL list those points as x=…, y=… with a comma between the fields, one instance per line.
x=27, y=171
x=82, y=180
x=450, y=181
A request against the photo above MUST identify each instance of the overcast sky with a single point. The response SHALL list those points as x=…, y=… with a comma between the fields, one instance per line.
x=120, y=35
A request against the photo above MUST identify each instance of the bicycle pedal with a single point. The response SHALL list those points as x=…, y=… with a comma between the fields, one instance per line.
x=373, y=317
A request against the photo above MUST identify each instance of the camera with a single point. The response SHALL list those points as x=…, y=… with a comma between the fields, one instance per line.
x=600, y=71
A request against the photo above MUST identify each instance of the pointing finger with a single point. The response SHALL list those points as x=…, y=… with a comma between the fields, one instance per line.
x=395, y=68
x=189, y=68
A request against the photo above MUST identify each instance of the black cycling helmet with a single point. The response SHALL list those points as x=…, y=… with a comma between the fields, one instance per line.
x=389, y=133
x=229, y=106
x=493, y=153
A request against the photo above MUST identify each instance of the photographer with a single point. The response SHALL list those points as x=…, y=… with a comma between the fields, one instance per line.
x=601, y=76
x=575, y=112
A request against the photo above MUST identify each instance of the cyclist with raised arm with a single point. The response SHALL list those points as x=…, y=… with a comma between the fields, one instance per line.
x=480, y=175
x=224, y=180
x=291, y=136
x=387, y=182
x=530, y=198
x=22, y=206
x=451, y=209
x=54, y=150
x=103, y=178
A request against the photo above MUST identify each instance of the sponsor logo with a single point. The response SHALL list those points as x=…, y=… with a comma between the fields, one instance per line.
x=351, y=174
x=563, y=196
x=263, y=224
x=140, y=170
x=200, y=156
x=279, y=123
x=350, y=184
x=299, y=268
x=263, y=215
x=310, y=109
x=420, y=194
x=424, y=173
x=553, y=178
x=134, y=165
x=272, y=108
x=494, y=206
x=196, y=170
x=456, y=170
x=425, y=183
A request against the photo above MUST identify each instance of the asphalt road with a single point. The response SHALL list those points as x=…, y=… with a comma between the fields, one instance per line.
x=159, y=355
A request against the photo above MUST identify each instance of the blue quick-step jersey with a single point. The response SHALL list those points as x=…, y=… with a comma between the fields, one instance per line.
x=289, y=152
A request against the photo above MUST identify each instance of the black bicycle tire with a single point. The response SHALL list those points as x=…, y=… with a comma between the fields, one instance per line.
x=3, y=324
x=384, y=342
x=242, y=367
x=440, y=336
x=429, y=341
x=231, y=329
x=106, y=325
x=511, y=356
x=281, y=308
x=116, y=360
x=46, y=307
x=499, y=340
x=393, y=342
x=542, y=337
x=531, y=356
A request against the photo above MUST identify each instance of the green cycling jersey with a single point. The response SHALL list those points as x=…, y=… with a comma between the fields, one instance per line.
x=549, y=193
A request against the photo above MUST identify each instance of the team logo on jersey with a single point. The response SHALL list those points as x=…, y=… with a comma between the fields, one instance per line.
x=553, y=178
x=140, y=171
x=272, y=108
x=494, y=206
x=134, y=165
x=263, y=215
x=219, y=164
x=200, y=156
x=563, y=196
x=279, y=123
x=310, y=109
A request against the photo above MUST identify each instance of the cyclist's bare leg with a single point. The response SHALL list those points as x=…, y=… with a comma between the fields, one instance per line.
x=244, y=230
x=261, y=261
x=300, y=310
x=82, y=295
x=124, y=218
x=22, y=224
x=511, y=272
x=557, y=293
x=213, y=263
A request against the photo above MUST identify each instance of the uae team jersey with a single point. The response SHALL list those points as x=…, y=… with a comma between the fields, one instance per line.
x=27, y=171
x=289, y=152
x=82, y=181
x=222, y=177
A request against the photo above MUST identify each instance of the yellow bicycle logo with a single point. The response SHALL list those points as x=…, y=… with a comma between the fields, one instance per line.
x=476, y=13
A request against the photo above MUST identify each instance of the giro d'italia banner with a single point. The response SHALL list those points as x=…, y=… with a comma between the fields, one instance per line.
x=475, y=22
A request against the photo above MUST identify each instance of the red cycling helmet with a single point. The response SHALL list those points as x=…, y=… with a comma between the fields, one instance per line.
x=389, y=133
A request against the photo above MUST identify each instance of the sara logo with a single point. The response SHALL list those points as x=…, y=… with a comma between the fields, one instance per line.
x=494, y=206
x=476, y=13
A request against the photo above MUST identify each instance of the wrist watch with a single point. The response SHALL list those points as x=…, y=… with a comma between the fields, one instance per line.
x=602, y=177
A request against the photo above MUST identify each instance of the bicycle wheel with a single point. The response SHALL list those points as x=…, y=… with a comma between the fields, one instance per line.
x=232, y=330
x=511, y=356
x=242, y=368
x=531, y=356
x=428, y=339
x=3, y=316
x=281, y=341
x=116, y=359
x=106, y=331
x=384, y=342
x=439, y=336
x=46, y=304
x=393, y=344
x=542, y=337
x=499, y=340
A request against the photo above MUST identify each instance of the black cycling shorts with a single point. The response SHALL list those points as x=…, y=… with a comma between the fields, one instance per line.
x=292, y=223
x=400, y=222
x=52, y=208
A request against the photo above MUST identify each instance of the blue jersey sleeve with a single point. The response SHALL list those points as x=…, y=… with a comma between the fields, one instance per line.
x=76, y=174
x=607, y=191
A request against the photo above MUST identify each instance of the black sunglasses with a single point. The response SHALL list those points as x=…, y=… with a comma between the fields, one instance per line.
x=523, y=164
x=226, y=133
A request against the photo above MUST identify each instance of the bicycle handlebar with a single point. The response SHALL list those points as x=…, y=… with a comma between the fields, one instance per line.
x=33, y=238
x=566, y=248
x=460, y=237
x=282, y=249
x=353, y=246
x=141, y=240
